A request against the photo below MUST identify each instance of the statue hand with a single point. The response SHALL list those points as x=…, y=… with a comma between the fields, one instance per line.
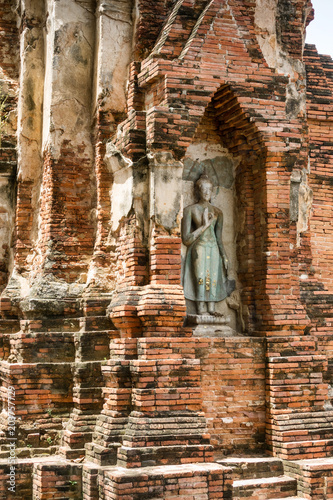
x=207, y=217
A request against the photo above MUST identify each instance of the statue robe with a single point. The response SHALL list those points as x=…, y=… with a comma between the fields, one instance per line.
x=204, y=276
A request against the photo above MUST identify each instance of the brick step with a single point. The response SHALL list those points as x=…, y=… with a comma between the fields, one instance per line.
x=35, y=347
x=101, y=455
x=301, y=427
x=295, y=420
x=70, y=454
x=302, y=450
x=267, y=488
x=311, y=433
x=164, y=455
x=9, y=325
x=185, y=481
x=96, y=323
x=56, y=325
x=26, y=453
x=79, y=324
x=253, y=467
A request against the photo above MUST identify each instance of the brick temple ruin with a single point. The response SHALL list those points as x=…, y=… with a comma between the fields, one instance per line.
x=113, y=386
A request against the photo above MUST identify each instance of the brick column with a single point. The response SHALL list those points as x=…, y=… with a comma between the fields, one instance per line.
x=298, y=426
x=112, y=421
x=113, y=50
x=29, y=143
x=161, y=307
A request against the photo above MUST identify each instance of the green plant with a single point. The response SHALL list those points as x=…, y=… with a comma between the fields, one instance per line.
x=72, y=483
x=49, y=440
x=49, y=411
x=29, y=445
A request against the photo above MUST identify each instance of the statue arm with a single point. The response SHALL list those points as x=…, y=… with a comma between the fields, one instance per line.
x=189, y=237
x=218, y=233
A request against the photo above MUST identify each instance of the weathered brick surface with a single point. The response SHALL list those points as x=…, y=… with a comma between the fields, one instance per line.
x=146, y=402
x=9, y=41
x=317, y=288
x=57, y=480
x=9, y=51
x=314, y=477
x=66, y=224
x=233, y=386
x=172, y=118
x=297, y=421
x=256, y=489
x=23, y=481
x=152, y=410
x=253, y=467
x=186, y=482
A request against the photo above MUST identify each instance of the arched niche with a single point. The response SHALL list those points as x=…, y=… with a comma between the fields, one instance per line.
x=228, y=148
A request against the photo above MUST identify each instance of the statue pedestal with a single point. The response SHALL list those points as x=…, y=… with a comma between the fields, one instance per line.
x=206, y=325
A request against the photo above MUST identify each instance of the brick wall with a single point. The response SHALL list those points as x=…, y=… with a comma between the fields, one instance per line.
x=9, y=41
x=317, y=287
x=315, y=480
x=205, y=80
x=65, y=214
x=9, y=57
x=233, y=392
x=23, y=481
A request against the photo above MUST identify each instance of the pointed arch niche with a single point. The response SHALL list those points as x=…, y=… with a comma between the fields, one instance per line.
x=229, y=149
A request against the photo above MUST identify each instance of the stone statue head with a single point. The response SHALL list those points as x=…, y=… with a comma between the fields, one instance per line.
x=204, y=187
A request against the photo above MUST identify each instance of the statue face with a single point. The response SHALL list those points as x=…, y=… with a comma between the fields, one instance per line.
x=205, y=191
